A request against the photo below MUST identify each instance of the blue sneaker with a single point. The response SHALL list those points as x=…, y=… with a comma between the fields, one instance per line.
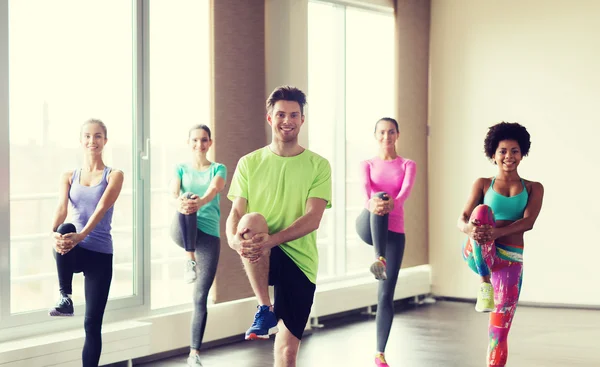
x=264, y=325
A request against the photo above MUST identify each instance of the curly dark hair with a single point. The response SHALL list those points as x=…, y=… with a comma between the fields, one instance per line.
x=506, y=131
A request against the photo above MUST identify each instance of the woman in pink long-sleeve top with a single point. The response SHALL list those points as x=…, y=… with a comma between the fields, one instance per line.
x=387, y=181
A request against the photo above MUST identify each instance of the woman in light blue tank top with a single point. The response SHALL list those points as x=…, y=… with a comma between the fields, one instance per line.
x=85, y=245
x=497, y=214
x=195, y=188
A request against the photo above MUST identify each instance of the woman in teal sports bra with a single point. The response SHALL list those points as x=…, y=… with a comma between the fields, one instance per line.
x=498, y=212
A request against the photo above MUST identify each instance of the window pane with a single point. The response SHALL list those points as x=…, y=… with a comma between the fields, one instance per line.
x=179, y=90
x=369, y=96
x=324, y=55
x=69, y=60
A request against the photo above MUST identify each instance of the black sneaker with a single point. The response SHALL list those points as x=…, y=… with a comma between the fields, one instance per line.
x=64, y=307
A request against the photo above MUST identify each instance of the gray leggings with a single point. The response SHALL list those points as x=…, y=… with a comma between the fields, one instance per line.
x=373, y=229
x=207, y=250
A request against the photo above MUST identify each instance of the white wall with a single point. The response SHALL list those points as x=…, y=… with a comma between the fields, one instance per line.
x=536, y=62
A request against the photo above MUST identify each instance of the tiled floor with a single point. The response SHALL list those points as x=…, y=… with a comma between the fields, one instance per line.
x=446, y=334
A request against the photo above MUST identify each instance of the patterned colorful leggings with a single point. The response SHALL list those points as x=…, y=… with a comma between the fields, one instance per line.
x=506, y=278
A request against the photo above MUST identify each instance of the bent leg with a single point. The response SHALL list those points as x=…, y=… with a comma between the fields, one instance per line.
x=65, y=264
x=258, y=273
x=373, y=229
x=483, y=254
x=184, y=231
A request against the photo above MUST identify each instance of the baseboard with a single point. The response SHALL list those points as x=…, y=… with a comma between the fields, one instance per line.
x=566, y=306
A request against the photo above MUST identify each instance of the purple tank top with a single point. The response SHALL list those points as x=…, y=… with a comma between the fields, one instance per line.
x=84, y=200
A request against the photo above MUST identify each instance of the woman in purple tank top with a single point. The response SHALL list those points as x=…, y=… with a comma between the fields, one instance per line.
x=86, y=244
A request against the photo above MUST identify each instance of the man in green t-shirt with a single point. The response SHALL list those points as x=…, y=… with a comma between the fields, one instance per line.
x=279, y=194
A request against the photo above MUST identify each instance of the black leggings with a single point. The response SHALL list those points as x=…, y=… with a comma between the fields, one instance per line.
x=184, y=230
x=97, y=269
x=207, y=250
x=373, y=229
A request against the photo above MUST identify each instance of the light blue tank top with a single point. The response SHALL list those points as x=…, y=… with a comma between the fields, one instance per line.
x=84, y=200
x=504, y=207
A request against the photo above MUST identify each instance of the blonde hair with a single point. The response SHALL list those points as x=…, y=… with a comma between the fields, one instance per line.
x=95, y=121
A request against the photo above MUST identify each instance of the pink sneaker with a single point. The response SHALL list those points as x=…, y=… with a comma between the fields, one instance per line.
x=380, y=360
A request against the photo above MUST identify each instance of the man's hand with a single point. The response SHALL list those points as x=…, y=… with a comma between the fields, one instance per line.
x=255, y=247
x=235, y=241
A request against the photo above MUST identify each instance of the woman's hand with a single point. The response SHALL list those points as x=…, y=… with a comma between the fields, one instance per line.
x=65, y=243
x=480, y=233
x=381, y=206
x=388, y=205
x=377, y=206
x=189, y=204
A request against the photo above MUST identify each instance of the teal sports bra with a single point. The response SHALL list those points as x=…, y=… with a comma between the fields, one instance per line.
x=504, y=207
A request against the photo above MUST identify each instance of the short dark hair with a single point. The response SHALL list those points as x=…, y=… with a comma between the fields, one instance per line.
x=200, y=126
x=286, y=93
x=506, y=131
x=388, y=119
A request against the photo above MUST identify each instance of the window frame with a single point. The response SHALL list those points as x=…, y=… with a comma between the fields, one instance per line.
x=339, y=173
x=137, y=304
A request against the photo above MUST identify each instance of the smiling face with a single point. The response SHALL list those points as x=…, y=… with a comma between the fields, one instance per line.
x=93, y=138
x=199, y=141
x=508, y=155
x=386, y=134
x=285, y=119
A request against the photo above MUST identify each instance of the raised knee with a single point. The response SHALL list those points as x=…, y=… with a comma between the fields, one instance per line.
x=484, y=214
x=380, y=195
x=253, y=223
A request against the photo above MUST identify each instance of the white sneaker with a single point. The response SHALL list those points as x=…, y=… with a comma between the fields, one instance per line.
x=190, y=271
x=378, y=268
x=194, y=361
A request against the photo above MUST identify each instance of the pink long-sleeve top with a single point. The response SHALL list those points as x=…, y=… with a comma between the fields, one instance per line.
x=396, y=178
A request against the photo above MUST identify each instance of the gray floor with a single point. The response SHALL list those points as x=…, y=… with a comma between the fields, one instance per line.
x=448, y=334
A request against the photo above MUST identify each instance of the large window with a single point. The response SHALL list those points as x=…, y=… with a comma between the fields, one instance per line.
x=69, y=61
x=143, y=68
x=351, y=86
x=179, y=98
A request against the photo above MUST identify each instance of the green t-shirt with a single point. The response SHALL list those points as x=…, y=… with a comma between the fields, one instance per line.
x=197, y=182
x=278, y=187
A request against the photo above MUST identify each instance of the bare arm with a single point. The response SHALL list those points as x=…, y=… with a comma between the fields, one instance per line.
x=175, y=189
x=309, y=222
x=216, y=186
x=532, y=211
x=475, y=198
x=108, y=199
x=63, y=200
x=238, y=210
